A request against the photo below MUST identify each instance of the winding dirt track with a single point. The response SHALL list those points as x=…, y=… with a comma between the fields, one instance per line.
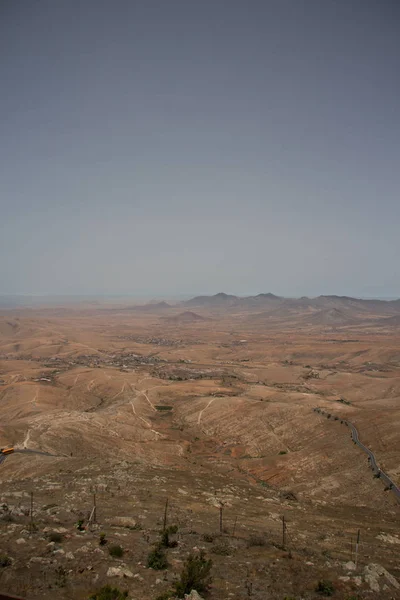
x=371, y=456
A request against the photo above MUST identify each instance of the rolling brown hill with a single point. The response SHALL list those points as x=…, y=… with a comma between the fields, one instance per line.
x=150, y=307
x=223, y=300
x=218, y=300
x=8, y=327
x=332, y=316
x=393, y=321
x=222, y=412
x=185, y=317
x=345, y=309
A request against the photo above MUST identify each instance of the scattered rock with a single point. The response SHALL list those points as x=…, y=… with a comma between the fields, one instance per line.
x=123, y=522
x=121, y=571
x=20, y=541
x=84, y=549
x=39, y=559
x=372, y=574
x=193, y=596
x=386, y=537
x=287, y=495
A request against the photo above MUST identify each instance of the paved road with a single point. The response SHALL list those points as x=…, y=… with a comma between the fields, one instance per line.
x=371, y=456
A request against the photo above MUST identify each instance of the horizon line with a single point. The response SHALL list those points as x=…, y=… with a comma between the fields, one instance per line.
x=191, y=295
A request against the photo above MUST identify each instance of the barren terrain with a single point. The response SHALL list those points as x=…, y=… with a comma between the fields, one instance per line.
x=203, y=403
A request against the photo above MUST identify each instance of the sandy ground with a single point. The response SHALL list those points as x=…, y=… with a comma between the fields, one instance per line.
x=140, y=408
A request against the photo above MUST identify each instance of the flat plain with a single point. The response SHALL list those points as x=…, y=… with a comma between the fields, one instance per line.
x=208, y=404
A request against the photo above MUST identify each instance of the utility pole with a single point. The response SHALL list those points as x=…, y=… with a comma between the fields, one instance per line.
x=92, y=516
x=165, y=515
x=357, y=543
x=94, y=507
x=283, y=532
x=220, y=504
x=234, y=527
x=31, y=523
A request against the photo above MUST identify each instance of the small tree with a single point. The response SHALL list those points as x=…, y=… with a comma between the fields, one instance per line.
x=80, y=526
x=55, y=537
x=165, y=541
x=195, y=575
x=157, y=559
x=116, y=551
x=5, y=560
x=325, y=588
x=103, y=540
x=109, y=593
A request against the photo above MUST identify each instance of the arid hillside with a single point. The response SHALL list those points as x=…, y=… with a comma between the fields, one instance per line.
x=210, y=404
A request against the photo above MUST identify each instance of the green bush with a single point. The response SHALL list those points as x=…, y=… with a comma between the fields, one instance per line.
x=103, y=540
x=5, y=560
x=61, y=577
x=165, y=596
x=165, y=541
x=195, y=575
x=157, y=559
x=208, y=537
x=80, y=526
x=282, y=452
x=8, y=518
x=256, y=540
x=109, y=593
x=325, y=588
x=55, y=537
x=222, y=549
x=116, y=551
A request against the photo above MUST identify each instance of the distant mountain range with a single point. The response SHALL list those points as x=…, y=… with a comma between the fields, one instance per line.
x=272, y=301
x=329, y=310
x=323, y=310
x=151, y=307
x=226, y=300
x=320, y=310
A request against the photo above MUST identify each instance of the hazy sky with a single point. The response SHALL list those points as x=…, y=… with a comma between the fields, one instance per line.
x=198, y=146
